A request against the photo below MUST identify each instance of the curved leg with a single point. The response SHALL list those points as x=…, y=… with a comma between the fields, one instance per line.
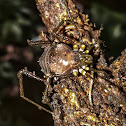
x=62, y=37
x=31, y=75
x=92, y=80
x=90, y=89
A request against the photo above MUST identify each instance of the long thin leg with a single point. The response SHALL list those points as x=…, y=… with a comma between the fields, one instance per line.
x=31, y=75
x=45, y=99
x=48, y=88
x=43, y=43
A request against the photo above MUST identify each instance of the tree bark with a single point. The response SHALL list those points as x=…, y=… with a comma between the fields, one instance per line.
x=98, y=97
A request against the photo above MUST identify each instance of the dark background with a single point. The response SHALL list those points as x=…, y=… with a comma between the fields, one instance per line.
x=19, y=21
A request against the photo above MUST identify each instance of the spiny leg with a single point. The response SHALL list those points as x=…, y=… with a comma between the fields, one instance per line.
x=61, y=36
x=58, y=28
x=44, y=42
x=31, y=75
x=67, y=39
x=45, y=99
x=36, y=43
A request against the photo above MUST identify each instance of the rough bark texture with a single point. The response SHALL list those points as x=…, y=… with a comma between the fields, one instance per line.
x=70, y=97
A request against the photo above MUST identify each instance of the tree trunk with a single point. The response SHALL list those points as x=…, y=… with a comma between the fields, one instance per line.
x=99, y=96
